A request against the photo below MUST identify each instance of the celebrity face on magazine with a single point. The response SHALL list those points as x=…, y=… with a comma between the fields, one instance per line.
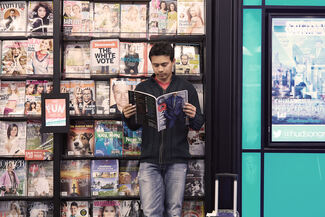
x=162, y=67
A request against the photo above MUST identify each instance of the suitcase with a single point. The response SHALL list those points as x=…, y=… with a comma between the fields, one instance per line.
x=224, y=212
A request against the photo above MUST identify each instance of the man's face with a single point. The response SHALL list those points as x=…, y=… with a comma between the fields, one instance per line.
x=162, y=67
x=73, y=210
x=12, y=13
x=121, y=94
x=86, y=95
x=184, y=60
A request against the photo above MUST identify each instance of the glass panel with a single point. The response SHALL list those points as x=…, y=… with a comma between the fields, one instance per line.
x=296, y=2
x=252, y=24
x=252, y=2
x=294, y=185
x=251, y=180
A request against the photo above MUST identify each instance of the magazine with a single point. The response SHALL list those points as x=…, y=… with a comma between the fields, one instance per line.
x=40, y=178
x=40, y=56
x=13, y=18
x=159, y=112
x=75, y=178
x=119, y=93
x=12, y=138
x=194, y=184
x=80, y=139
x=104, y=177
x=132, y=141
x=75, y=208
x=33, y=92
x=128, y=178
x=82, y=97
x=133, y=59
x=187, y=59
x=14, y=57
x=133, y=20
x=40, y=18
x=102, y=97
x=199, y=90
x=191, y=17
x=17, y=187
x=39, y=146
x=104, y=56
x=109, y=138
x=196, y=141
x=130, y=208
x=77, y=60
x=106, y=19
x=12, y=96
x=193, y=209
x=102, y=206
x=36, y=208
x=13, y=208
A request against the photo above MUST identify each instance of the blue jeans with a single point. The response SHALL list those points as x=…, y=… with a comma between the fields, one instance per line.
x=162, y=188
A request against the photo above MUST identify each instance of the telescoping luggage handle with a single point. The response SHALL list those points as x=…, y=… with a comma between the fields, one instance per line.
x=217, y=177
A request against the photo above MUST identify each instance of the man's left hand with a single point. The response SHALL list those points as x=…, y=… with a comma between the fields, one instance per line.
x=189, y=110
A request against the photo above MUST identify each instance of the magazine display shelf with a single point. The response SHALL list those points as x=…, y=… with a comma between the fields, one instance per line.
x=60, y=139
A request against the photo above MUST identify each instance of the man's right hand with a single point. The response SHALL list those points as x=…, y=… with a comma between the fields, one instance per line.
x=129, y=110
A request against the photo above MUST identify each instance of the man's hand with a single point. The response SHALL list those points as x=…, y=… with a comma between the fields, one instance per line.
x=129, y=110
x=189, y=110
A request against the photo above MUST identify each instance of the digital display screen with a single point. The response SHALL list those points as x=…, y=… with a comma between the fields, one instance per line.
x=298, y=79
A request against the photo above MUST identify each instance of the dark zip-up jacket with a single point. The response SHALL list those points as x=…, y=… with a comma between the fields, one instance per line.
x=169, y=145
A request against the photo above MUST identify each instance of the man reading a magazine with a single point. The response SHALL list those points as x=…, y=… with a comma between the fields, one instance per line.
x=164, y=154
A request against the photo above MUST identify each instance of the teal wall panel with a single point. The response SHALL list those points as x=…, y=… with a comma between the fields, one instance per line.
x=294, y=185
x=252, y=2
x=296, y=2
x=251, y=132
x=251, y=184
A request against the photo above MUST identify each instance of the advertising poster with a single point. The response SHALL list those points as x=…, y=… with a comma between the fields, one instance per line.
x=298, y=79
x=55, y=112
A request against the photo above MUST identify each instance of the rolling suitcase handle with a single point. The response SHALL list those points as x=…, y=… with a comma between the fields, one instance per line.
x=216, y=199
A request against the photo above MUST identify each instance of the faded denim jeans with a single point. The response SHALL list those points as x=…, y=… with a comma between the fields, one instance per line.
x=162, y=189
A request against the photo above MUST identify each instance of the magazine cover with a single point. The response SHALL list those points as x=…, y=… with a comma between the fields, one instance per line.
x=193, y=209
x=187, y=59
x=196, y=141
x=149, y=66
x=130, y=208
x=12, y=97
x=104, y=177
x=104, y=56
x=48, y=87
x=119, y=93
x=39, y=146
x=36, y=209
x=17, y=186
x=40, y=56
x=75, y=178
x=133, y=20
x=75, y=209
x=106, y=19
x=106, y=206
x=102, y=97
x=133, y=59
x=161, y=112
x=76, y=60
x=128, y=178
x=108, y=138
x=82, y=97
x=191, y=17
x=163, y=17
x=80, y=138
x=12, y=138
x=14, y=57
x=77, y=20
x=132, y=141
x=40, y=18
x=13, y=18
x=65, y=87
x=40, y=178
x=33, y=92
x=13, y=208
x=194, y=185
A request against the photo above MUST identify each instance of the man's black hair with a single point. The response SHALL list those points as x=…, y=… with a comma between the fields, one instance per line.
x=74, y=204
x=162, y=49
